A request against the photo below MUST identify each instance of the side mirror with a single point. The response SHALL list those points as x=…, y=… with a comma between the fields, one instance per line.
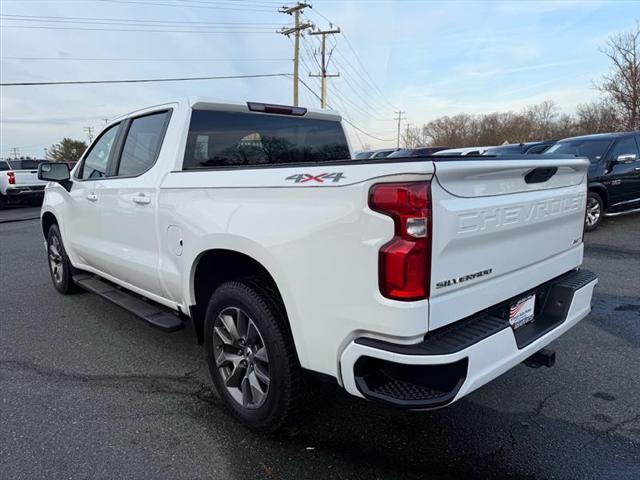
x=626, y=158
x=53, y=172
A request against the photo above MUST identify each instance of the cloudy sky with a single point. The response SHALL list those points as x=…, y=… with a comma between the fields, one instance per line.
x=428, y=58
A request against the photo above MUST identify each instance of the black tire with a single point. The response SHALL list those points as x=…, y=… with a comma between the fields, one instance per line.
x=59, y=265
x=3, y=201
x=264, y=309
x=595, y=212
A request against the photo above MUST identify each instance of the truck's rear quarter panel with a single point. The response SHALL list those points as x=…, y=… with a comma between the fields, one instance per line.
x=319, y=241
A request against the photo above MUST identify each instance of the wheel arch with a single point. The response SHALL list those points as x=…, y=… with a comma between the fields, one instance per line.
x=601, y=190
x=46, y=221
x=212, y=268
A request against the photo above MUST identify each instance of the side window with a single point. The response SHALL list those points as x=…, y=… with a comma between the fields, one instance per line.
x=4, y=166
x=142, y=146
x=624, y=146
x=95, y=163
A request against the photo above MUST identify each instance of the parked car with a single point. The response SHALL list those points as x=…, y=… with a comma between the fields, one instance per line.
x=416, y=152
x=614, y=174
x=19, y=182
x=408, y=282
x=520, y=148
x=462, y=152
x=379, y=153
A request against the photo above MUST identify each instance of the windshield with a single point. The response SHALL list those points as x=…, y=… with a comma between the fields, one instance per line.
x=593, y=149
x=24, y=164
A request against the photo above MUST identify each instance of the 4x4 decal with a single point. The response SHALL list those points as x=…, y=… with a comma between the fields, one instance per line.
x=307, y=177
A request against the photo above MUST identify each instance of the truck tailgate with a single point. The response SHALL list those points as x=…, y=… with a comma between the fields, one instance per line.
x=501, y=227
x=27, y=178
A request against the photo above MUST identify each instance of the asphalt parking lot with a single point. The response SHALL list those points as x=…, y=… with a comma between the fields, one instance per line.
x=88, y=391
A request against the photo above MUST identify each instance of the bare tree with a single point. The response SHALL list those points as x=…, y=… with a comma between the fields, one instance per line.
x=622, y=85
x=596, y=117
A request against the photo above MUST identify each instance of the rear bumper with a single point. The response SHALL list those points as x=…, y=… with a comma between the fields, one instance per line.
x=25, y=191
x=455, y=360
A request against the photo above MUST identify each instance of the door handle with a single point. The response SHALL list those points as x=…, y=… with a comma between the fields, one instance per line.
x=142, y=199
x=637, y=169
x=92, y=197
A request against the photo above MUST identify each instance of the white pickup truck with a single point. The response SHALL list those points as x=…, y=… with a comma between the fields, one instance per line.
x=19, y=182
x=409, y=281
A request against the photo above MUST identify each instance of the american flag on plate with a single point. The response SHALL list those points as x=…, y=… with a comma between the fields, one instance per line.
x=522, y=311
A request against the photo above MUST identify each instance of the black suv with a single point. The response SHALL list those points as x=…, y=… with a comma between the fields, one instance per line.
x=614, y=174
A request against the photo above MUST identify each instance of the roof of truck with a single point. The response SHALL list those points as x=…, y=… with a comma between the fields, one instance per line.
x=209, y=103
x=205, y=103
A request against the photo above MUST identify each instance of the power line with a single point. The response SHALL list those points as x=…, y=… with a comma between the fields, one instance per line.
x=350, y=122
x=42, y=27
x=370, y=79
x=209, y=7
x=379, y=101
x=143, y=80
x=366, y=133
x=345, y=118
x=48, y=18
x=375, y=86
x=114, y=59
x=242, y=2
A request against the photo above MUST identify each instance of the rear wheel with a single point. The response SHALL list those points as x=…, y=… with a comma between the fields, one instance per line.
x=595, y=212
x=59, y=265
x=251, y=355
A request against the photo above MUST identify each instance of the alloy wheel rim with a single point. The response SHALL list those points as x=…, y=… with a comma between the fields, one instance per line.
x=55, y=259
x=241, y=357
x=593, y=212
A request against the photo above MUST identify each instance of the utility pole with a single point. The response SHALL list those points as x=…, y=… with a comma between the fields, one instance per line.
x=46, y=154
x=399, y=119
x=296, y=30
x=406, y=135
x=324, y=64
x=15, y=152
x=89, y=131
x=106, y=120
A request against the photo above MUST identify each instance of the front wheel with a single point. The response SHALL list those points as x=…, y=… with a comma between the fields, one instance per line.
x=251, y=356
x=595, y=212
x=59, y=265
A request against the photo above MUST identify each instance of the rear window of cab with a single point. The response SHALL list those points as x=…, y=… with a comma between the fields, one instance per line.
x=228, y=139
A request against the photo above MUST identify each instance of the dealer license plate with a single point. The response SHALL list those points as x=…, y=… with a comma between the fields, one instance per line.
x=522, y=311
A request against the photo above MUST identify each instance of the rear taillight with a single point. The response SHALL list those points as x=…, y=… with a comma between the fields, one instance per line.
x=12, y=177
x=405, y=261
